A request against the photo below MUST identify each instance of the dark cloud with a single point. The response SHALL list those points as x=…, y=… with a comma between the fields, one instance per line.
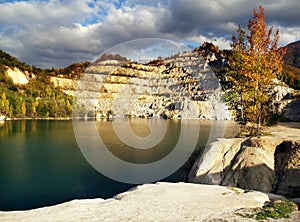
x=283, y=13
x=206, y=16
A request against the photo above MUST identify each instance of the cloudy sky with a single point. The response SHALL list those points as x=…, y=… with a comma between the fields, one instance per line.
x=56, y=33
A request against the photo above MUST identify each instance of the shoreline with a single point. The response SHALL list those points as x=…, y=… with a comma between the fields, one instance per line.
x=282, y=130
x=38, y=118
x=97, y=119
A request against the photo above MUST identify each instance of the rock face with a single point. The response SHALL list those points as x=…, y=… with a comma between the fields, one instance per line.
x=292, y=108
x=68, y=85
x=267, y=164
x=152, y=202
x=17, y=76
x=245, y=163
x=287, y=168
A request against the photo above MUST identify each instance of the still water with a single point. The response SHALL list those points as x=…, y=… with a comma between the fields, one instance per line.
x=42, y=165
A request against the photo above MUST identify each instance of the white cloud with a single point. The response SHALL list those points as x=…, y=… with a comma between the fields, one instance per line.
x=46, y=13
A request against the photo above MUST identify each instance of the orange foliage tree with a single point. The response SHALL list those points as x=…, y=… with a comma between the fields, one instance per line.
x=254, y=64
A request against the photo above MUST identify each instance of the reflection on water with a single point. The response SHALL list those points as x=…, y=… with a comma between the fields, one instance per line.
x=21, y=126
x=141, y=129
x=42, y=165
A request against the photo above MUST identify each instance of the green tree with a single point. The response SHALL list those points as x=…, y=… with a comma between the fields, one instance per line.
x=18, y=106
x=254, y=64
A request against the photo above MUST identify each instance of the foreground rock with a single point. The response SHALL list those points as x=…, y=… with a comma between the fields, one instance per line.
x=292, y=108
x=153, y=202
x=287, y=168
x=269, y=163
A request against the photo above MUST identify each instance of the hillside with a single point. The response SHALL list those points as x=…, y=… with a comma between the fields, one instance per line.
x=26, y=91
x=291, y=69
x=292, y=56
x=72, y=71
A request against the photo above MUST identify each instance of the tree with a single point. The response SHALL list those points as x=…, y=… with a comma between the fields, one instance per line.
x=18, y=106
x=23, y=109
x=34, y=105
x=254, y=65
x=4, y=104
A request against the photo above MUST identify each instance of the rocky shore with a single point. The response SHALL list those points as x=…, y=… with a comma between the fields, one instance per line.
x=155, y=202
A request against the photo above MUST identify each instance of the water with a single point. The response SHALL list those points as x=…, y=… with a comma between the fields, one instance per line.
x=41, y=163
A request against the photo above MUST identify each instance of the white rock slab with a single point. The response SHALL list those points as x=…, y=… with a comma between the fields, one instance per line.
x=151, y=202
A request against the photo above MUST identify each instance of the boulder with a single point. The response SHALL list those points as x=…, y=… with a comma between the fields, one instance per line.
x=241, y=162
x=266, y=164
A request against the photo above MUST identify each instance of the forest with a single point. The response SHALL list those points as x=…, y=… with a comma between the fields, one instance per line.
x=37, y=99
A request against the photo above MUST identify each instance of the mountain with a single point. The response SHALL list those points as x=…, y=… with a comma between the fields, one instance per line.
x=291, y=69
x=292, y=56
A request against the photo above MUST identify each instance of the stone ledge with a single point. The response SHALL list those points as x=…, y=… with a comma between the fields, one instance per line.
x=152, y=202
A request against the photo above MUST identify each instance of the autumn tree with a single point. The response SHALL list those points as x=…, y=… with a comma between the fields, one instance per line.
x=4, y=105
x=23, y=109
x=254, y=64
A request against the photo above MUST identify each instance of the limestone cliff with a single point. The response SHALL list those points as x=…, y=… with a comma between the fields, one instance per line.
x=67, y=85
x=18, y=76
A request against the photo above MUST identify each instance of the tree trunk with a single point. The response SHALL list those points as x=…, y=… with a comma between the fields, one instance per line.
x=259, y=122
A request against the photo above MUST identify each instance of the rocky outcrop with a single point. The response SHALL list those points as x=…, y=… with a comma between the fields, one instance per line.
x=67, y=85
x=269, y=164
x=287, y=168
x=241, y=162
x=18, y=76
x=217, y=59
x=154, y=202
x=292, y=106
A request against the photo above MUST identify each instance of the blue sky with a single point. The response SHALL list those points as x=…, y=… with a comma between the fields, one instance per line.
x=57, y=33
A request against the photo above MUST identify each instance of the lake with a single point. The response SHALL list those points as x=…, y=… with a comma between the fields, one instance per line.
x=42, y=165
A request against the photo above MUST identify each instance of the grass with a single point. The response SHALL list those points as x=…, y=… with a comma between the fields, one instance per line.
x=276, y=210
x=235, y=190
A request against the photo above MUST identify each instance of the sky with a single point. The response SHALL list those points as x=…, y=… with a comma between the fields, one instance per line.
x=57, y=33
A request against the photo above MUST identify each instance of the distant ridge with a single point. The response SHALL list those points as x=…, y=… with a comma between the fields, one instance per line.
x=291, y=68
x=292, y=56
